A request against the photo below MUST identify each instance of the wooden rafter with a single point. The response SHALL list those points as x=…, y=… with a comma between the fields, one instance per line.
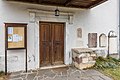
x=66, y=3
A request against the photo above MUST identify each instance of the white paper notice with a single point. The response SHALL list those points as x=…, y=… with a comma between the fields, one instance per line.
x=10, y=38
x=15, y=38
x=10, y=30
x=20, y=38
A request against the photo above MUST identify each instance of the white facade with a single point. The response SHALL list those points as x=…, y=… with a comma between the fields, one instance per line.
x=100, y=19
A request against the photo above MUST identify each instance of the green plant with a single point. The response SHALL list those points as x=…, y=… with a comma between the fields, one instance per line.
x=109, y=62
x=1, y=73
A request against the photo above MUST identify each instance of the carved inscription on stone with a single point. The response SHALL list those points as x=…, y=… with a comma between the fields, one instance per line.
x=113, y=45
x=102, y=40
x=79, y=33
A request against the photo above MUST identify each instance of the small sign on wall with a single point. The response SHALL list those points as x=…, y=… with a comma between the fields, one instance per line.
x=102, y=40
x=113, y=45
x=79, y=33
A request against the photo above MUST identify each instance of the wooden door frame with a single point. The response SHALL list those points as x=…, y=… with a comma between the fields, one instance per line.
x=64, y=37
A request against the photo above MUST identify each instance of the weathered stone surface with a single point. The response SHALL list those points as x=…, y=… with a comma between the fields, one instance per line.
x=74, y=75
x=87, y=78
x=31, y=76
x=17, y=76
x=50, y=74
x=35, y=78
x=61, y=71
x=97, y=78
x=40, y=78
x=16, y=73
x=16, y=79
x=74, y=78
x=105, y=77
x=92, y=72
x=42, y=72
x=68, y=73
x=71, y=69
x=60, y=78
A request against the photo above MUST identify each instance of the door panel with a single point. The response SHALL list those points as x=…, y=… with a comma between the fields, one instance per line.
x=58, y=42
x=51, y=43
x=44, y=44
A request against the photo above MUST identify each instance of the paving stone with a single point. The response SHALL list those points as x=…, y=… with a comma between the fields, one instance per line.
x=87, y=78
x=82, y=74
x=50, y=74
x=17, y=76
x=34, y=71
x=47, y=79
x=23, y=75
x=97, y=78
x=24, y=79
x=40, y=78
x=71, y=69
x=60, y=71
x=16, y=73
x=74, y=78
x=29, y=71
x=16, y=79
x=76, y=73
x=35, y=78
x=60, y=78
x=105, y=77
x=57, y=71
x=42, y=72
x=31, y=76
x=68, y=73
x=64, y=73
x=92, y=72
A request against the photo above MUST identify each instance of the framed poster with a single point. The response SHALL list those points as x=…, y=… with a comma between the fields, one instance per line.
x=15, y=35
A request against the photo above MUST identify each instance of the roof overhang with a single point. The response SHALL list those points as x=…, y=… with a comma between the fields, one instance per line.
x=85, y=4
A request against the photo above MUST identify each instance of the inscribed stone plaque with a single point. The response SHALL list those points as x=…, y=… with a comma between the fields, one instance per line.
x=92, y=40
x=103, y=40
x=79, y=33
x=112, y=45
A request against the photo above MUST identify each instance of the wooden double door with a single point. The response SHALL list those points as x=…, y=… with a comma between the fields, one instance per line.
x=51, y=43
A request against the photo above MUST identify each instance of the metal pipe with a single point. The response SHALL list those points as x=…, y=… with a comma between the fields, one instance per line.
x=119, y=25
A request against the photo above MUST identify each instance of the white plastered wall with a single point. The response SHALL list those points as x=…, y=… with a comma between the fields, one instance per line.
x=100, y=19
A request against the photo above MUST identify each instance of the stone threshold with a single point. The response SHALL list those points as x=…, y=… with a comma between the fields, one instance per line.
x=55, y=66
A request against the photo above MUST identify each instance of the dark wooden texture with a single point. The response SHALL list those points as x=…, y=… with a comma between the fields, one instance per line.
x=51, y=43
x=92, y=40
x=6, y=41
x=66, y=3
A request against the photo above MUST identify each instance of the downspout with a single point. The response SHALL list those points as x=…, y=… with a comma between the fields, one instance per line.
x=119, y=25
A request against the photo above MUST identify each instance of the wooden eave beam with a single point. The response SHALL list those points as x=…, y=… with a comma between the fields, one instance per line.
x=96, y=3
x=67, y=2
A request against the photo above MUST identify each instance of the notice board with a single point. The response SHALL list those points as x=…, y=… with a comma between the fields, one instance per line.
x=16, y=35
x=15, y=38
